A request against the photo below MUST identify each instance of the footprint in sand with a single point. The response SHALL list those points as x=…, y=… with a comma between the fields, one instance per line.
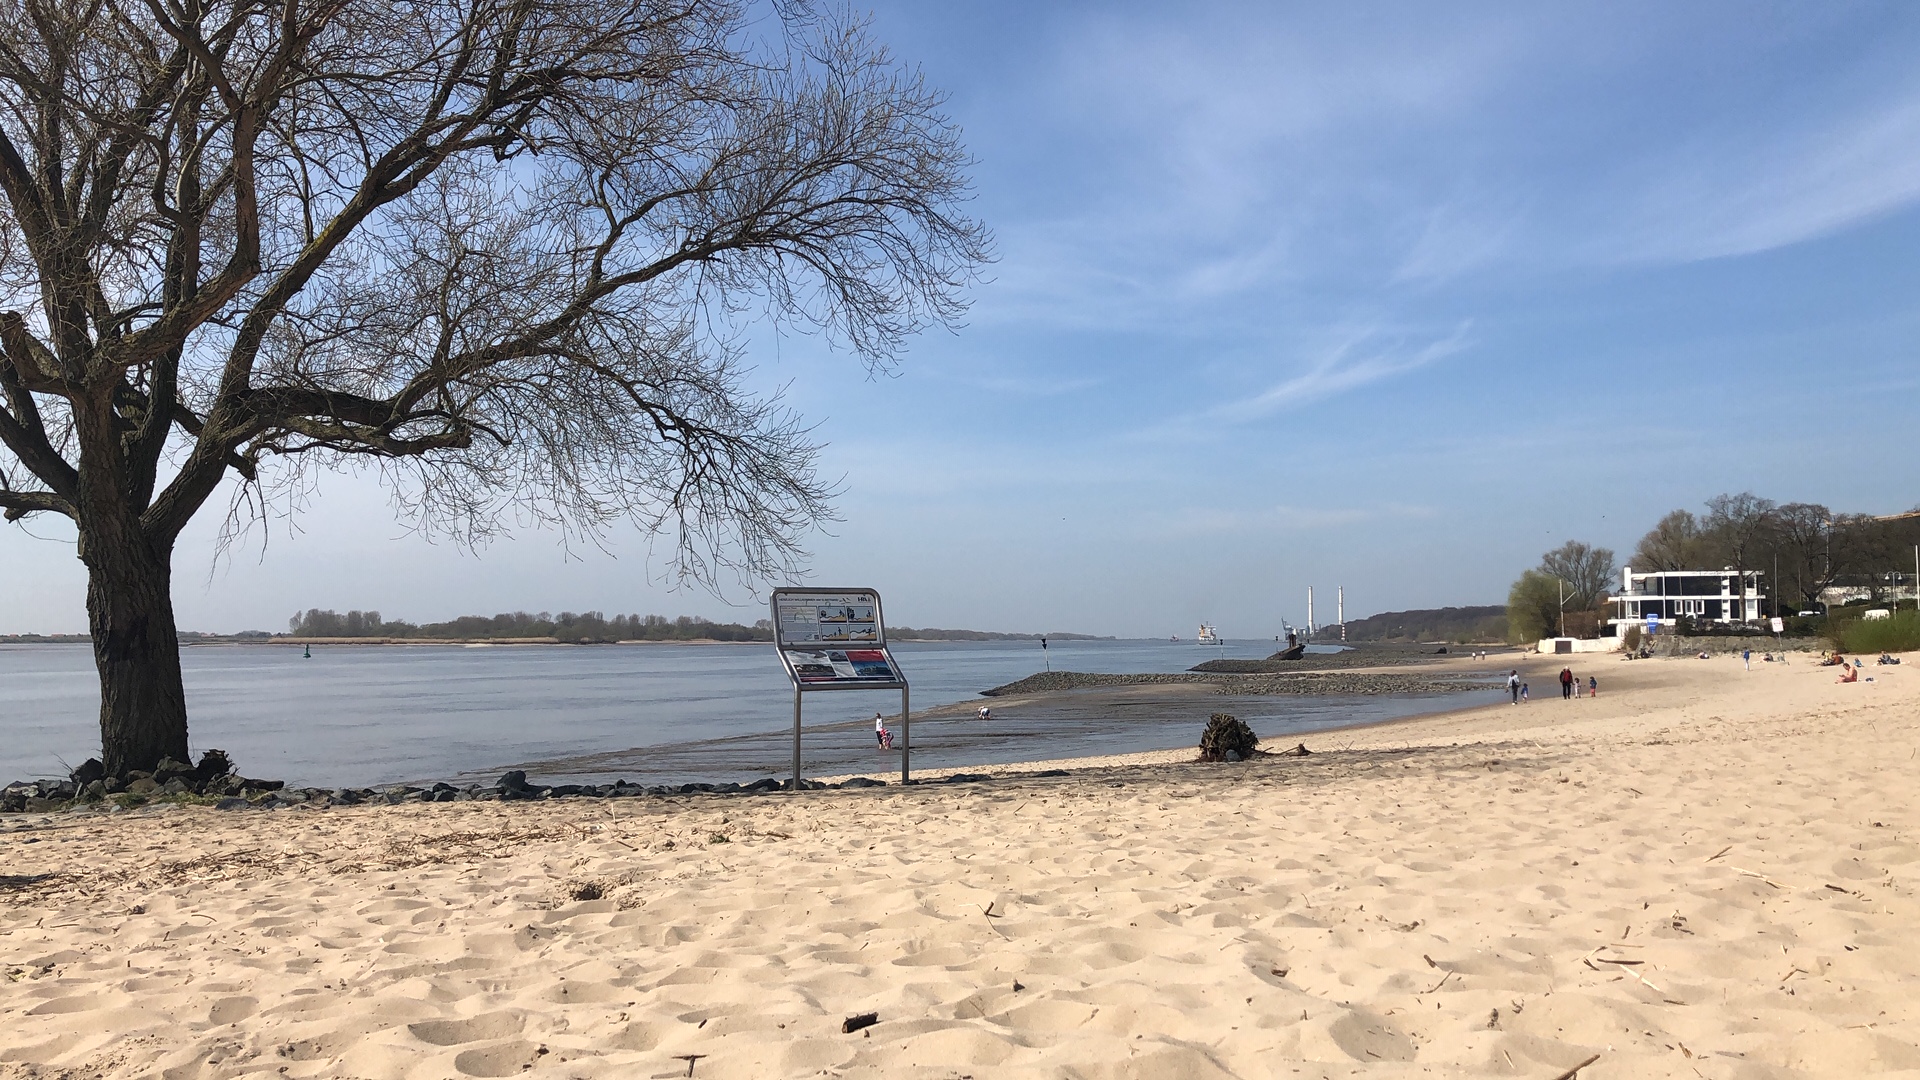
x=232, y=1010
x=495, y=1025
x=502, y=1059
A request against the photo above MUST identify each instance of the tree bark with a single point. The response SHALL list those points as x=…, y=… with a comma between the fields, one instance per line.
x=143, y=703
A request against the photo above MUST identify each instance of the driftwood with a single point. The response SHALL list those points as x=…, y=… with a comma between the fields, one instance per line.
x=854, y=1023
x=1575, y=1071
x=1226, y=734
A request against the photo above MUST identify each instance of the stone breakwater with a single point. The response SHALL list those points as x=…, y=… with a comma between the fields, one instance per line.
x=50, y=796
x=1308, y=683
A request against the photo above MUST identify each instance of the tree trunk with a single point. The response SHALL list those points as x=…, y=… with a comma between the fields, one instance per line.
x=143, y=704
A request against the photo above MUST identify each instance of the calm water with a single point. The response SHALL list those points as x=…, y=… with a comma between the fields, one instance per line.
x=365, y=715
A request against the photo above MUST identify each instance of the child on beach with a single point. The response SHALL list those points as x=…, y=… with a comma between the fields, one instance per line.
x=1523, y=692
x=1593, y=686
x=880, y=733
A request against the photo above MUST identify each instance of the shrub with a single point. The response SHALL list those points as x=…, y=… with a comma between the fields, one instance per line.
x=1901, y=633
x=1226, y=734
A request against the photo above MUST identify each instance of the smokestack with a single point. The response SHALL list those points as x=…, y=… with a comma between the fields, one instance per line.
x=1340, y=609
x=1309, y=611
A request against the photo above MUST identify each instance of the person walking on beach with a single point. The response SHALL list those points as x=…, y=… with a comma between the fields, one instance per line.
x=1566, y=682
x=1746, y=657
x=1513, y=685
x=1593, y=686
x=880, y=730
x=1523, y=693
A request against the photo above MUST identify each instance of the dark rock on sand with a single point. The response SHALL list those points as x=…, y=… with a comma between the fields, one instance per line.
x=87, y=772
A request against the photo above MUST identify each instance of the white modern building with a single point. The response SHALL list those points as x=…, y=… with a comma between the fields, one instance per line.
x=1702, y=596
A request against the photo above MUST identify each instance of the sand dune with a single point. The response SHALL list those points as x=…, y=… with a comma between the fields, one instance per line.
x=1703, y=872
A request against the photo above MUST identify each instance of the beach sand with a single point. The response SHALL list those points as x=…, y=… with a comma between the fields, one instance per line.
x=1702, y=872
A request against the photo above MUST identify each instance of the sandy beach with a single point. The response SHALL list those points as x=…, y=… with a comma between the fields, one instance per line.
x=1702, y=872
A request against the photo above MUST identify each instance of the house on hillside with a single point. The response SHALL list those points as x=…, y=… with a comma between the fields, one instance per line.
x=1702, y=596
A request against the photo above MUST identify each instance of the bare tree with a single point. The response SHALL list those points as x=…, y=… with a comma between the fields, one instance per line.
x=1672, y=544
x=1735, y=529
x=504, y=248
x=1814, y=547
x=1587, y=571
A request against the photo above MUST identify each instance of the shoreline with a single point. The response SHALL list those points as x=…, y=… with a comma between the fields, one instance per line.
x=1703, y=872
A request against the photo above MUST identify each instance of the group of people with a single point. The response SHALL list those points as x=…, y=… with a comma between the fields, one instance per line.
x=1569, y=686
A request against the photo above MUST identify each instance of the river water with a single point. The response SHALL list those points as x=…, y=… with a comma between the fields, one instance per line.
x=369, y=715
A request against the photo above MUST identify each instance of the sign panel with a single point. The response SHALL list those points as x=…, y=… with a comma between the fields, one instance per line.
x=1653, y=624
x=833, y=639
x=1779, y=624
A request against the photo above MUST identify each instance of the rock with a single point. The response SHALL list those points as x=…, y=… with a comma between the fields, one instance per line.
x=115, y=785
x=689, y=789
x=1234, y=755
x=170, y=768
x=444, y=796
x=966, y=778
x=87, y=772
x=727, y=789
x=514, y=780
x=94, y=791
x=213, y=764
x=177, y=786
x=442, y=786
x=344, y=796
x=262, y=785
x=1053, y=772
x=136, y=774
x=232, y=803
x=36, y=805
x=768, y=784
x=143, y=786
x=863, y=782
x=562, y=790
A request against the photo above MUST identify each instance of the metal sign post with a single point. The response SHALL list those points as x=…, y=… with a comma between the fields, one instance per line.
x=836, y=639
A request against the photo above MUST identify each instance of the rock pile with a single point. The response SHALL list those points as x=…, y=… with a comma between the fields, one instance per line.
x=214, y=781
x=89, y=783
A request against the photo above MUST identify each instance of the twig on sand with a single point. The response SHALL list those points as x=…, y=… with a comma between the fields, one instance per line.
x=1721, y=852
x=1756, y=874
x=1575, y=1071
x=1438, y=985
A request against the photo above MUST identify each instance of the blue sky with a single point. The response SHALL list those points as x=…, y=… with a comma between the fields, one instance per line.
x=1381, y=295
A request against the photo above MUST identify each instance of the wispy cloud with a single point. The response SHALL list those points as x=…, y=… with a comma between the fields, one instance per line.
x=1745, y=196
x=1360, y=360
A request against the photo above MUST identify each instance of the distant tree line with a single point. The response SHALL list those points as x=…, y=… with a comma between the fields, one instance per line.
x=591, y=626
x=1453, y=624
x=1803, y=549
x=568, y=626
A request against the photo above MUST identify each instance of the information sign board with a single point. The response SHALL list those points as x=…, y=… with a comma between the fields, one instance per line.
x=1779, y=624
x=833, y=639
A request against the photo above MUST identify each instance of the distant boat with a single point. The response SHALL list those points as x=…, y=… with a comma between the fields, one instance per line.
x=1207, y=636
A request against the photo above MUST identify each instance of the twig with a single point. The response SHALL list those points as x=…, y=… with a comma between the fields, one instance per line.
x=1438, y=985
x=1756, y=874
x=1722, y=851
x=1575, y=1071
